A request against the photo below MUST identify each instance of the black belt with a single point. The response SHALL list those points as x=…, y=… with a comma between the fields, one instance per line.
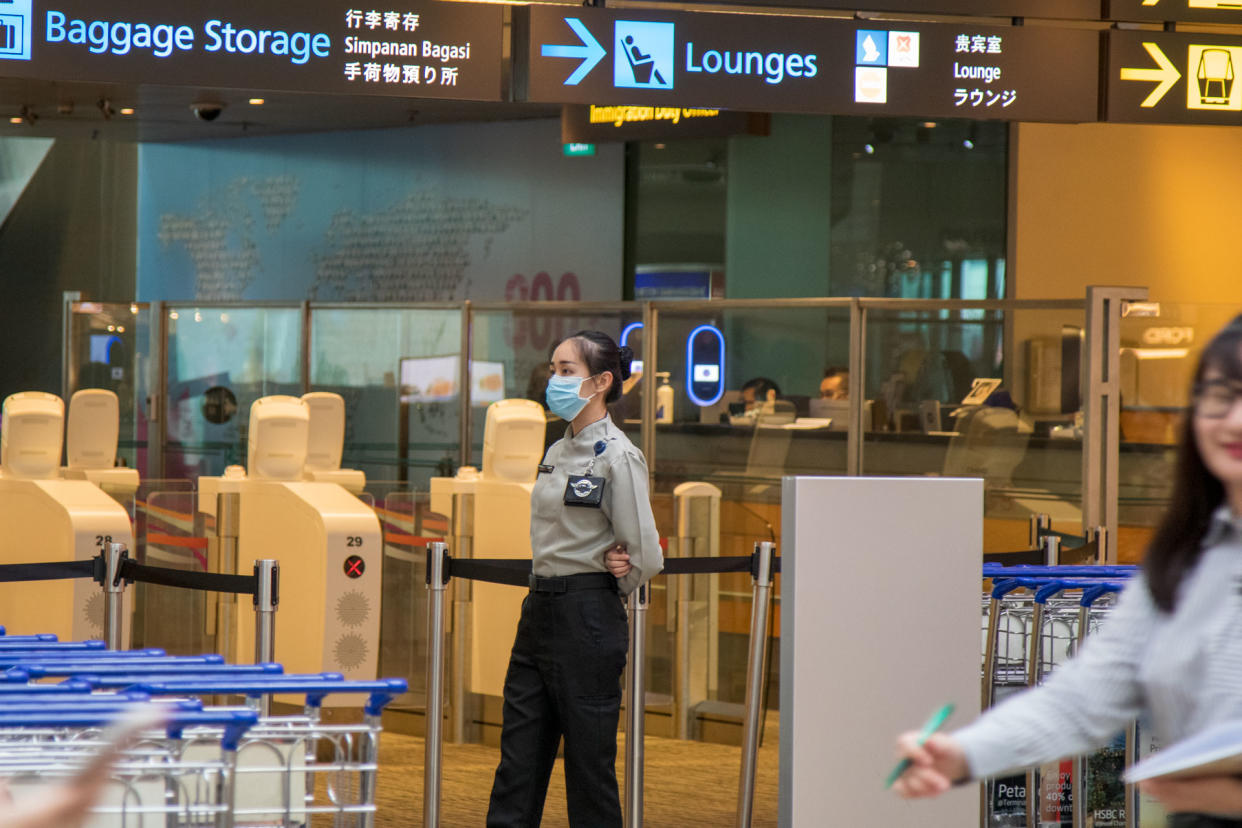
x=570, y=583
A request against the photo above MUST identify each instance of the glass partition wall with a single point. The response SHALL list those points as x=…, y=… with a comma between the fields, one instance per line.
x=735, y=393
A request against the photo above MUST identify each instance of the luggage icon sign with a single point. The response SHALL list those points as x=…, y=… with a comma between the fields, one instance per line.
x=15, y=29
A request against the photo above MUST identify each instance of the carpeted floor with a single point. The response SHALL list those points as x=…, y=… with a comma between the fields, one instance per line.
x=687, y=784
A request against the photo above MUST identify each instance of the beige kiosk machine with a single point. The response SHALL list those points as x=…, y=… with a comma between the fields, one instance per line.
x=45, y=518
x=498, y=526
x=327, y=541
x=90, y=443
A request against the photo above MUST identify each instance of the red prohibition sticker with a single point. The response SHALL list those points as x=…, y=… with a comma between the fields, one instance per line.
x=355, y=566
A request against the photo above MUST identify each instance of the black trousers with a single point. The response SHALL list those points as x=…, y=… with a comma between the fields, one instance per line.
x=564, y=681
x=1200, y=821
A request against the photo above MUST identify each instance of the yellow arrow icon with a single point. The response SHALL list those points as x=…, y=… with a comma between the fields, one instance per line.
x=1164, y=77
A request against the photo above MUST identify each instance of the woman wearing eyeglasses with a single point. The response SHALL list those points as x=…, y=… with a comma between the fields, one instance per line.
x=1172, y=648
x=593, y=539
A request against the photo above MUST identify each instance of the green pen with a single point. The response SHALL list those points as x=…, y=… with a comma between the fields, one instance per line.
x=929, y=727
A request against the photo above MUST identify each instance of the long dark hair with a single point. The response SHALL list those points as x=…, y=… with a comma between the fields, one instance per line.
x=602, y=355
x=1197, y=493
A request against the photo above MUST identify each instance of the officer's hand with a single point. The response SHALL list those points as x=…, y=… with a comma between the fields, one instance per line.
x=618, y=561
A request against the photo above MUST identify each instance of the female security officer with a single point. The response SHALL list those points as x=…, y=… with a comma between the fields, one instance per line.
x=593, y=536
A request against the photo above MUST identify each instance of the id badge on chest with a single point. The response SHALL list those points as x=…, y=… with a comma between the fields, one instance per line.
x=584, y=490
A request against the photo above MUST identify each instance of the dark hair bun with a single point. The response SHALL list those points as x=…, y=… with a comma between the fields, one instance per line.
x=625, y=356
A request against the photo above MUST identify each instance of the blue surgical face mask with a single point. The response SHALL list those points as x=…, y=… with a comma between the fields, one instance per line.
x=562, y=396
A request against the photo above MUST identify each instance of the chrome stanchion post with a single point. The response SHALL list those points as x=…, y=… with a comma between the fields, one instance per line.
x=1040, y=524
x=635, y=705
x=266, y=598
x=228, y=529
x=764, y=552
x=1051, y=544
x=1099, y=534
x=436, y=559
x=114, y=594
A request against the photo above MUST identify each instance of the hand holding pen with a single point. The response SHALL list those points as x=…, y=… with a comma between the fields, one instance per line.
x=930, y=763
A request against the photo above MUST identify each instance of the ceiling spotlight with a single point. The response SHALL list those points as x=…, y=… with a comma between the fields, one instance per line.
x=127, y=110
x=105, y=109
x=257, y=101
x=64, y=108
x=16, y=119
x=928, y=124
x=968, y=144
x=869, y=149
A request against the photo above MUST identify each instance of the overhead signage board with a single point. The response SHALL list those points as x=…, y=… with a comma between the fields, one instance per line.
x=792, y=64
x=1057, y=9
x=1203, y=11
x=411, y=48
x=1174, y=78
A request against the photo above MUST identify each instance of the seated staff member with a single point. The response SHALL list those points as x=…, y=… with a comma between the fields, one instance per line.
x=564, y=677
x=1171, y=648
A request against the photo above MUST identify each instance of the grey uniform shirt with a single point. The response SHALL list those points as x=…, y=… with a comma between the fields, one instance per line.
x=567, y=540
x=1183, y=669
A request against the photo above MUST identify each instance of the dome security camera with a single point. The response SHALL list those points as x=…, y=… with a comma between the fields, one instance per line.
x=207, y=110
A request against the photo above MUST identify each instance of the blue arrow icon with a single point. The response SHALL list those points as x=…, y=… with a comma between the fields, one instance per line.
x=590, y=52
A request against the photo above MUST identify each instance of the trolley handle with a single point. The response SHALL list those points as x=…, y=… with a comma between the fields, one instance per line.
x=39, y=637
x=991, y=570
x=235, y=722
x=120, y=681
x=114, y=668
x=1050, y=589
x=1002, y=588
x=67, y=686
x=65, y=694
x=131, y=674
x=77, y=704
x=16, y=656
x=381, y=691
x=29, y=644
x=1094, y=593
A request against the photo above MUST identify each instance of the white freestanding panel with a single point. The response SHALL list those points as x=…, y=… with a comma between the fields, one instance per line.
x=879, y=627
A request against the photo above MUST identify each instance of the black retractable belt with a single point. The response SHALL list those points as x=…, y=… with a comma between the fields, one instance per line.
x=212, y=582
x=51, y=571
x=508, y=571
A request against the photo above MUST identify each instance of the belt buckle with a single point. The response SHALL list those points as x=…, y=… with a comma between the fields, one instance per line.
x=532, y=581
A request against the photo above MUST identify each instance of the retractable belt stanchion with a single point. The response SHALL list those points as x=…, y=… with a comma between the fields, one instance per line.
x=635, y=706
x=755, y=675
x=1040, y=525
x=266, y=599
x=436, y=555
x=114, y=593
x=1051, y=544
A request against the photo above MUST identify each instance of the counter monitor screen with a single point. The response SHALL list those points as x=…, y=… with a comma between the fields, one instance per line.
x=435, y=379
